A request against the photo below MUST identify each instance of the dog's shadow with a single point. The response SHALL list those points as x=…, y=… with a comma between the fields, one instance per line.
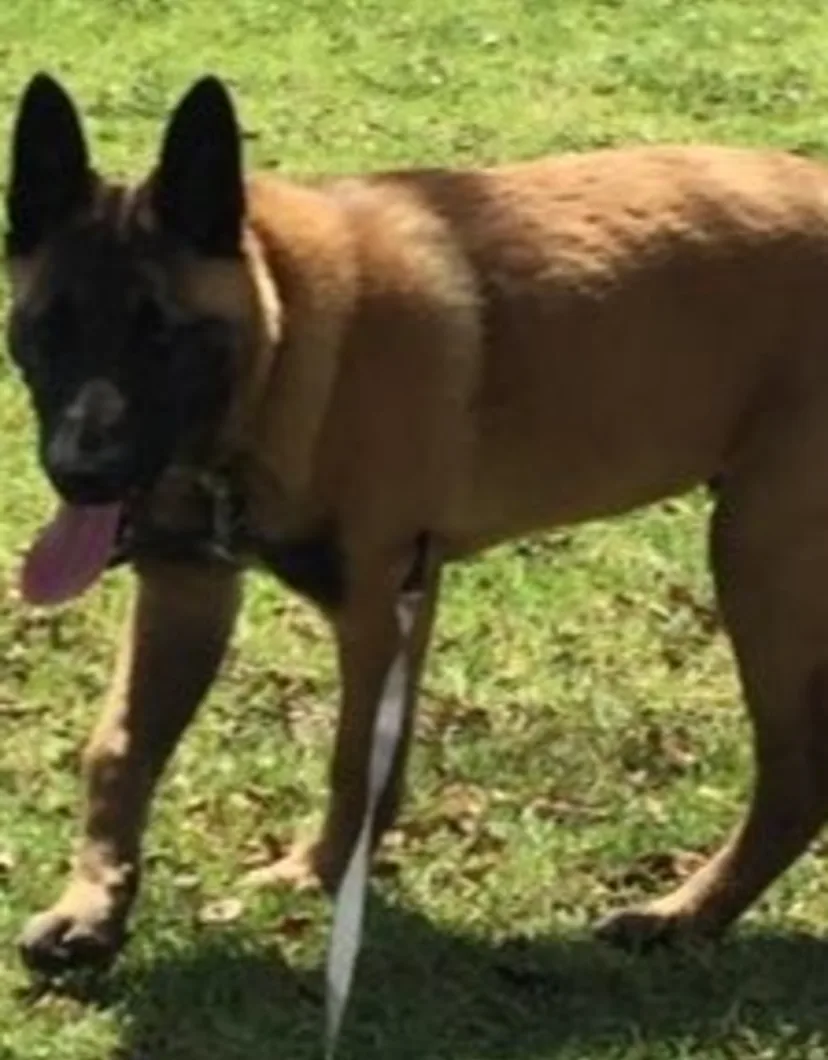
x=428, y=993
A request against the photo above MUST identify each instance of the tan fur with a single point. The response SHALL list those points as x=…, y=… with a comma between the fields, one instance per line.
x=487, y=354
x=520, y=335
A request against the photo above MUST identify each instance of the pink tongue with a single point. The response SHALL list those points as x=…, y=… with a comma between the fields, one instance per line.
x=70, y=554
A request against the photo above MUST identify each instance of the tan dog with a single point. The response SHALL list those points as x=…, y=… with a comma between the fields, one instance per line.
x=457, y=357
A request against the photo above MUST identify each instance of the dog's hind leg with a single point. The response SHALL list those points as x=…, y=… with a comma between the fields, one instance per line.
x=769, y=546
x=175, y=639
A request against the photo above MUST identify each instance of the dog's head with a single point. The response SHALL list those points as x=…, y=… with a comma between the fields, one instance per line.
x=134, y=311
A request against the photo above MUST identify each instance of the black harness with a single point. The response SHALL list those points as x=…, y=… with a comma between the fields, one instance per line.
x=220, y=535
x=312, y=563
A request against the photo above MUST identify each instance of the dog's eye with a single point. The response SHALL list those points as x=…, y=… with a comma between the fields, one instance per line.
x=150, y=326
x=201, y=362
x=56, y=325
x=24, y=344
x=36, y=337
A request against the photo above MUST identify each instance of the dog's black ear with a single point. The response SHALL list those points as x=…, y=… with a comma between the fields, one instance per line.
x=50, y=176
x=198, y=190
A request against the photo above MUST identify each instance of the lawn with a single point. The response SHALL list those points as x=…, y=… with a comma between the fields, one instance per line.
x=581, y=740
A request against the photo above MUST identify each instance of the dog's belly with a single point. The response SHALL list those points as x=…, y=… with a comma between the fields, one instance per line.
x=500, y=515
x=609, y=407
x=311, y=564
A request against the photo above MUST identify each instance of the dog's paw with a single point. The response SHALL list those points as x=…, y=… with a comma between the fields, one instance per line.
x=638, y=929
x=64, y=939
x=297, y=870
x=662, y=923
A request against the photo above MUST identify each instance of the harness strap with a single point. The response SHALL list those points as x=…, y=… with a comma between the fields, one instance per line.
x=221, y=536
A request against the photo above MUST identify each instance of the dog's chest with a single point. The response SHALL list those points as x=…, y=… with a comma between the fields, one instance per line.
x=312, y=564
x=198, y=521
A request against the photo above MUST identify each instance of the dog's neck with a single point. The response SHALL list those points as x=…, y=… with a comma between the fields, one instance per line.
x=302, y=265
x=265, y=453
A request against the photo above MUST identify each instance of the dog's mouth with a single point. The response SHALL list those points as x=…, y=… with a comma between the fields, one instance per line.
x=200, y=518
x=71, y=552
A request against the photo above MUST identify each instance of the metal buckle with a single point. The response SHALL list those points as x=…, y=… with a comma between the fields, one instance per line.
x=220, y=538
x=225, y=538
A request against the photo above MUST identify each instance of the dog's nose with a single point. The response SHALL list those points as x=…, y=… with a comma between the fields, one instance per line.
x=86, y=454
x=80, y=446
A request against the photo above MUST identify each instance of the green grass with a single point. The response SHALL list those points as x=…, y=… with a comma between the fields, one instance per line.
x=581, y=733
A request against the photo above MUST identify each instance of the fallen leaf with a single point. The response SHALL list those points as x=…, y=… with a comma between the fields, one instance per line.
x=186, y=881
x=8, y=863
x=386, y=867
x=657, y=869
x=265, y=849
x=221, y=911
x=294, y=925
x=461, y=806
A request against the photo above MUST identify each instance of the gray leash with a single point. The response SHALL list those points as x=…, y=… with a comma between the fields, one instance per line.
x=349, y=904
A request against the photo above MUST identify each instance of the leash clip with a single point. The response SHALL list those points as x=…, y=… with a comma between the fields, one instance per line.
x=225, y=520
x=220, y=534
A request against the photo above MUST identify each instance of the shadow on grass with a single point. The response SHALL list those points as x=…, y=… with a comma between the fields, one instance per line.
x=428, y=994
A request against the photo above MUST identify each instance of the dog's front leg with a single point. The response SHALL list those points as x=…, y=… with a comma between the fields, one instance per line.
x=368, y=639
x=176, y=635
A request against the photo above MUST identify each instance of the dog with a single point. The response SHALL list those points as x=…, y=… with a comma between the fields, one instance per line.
x=347, y=380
